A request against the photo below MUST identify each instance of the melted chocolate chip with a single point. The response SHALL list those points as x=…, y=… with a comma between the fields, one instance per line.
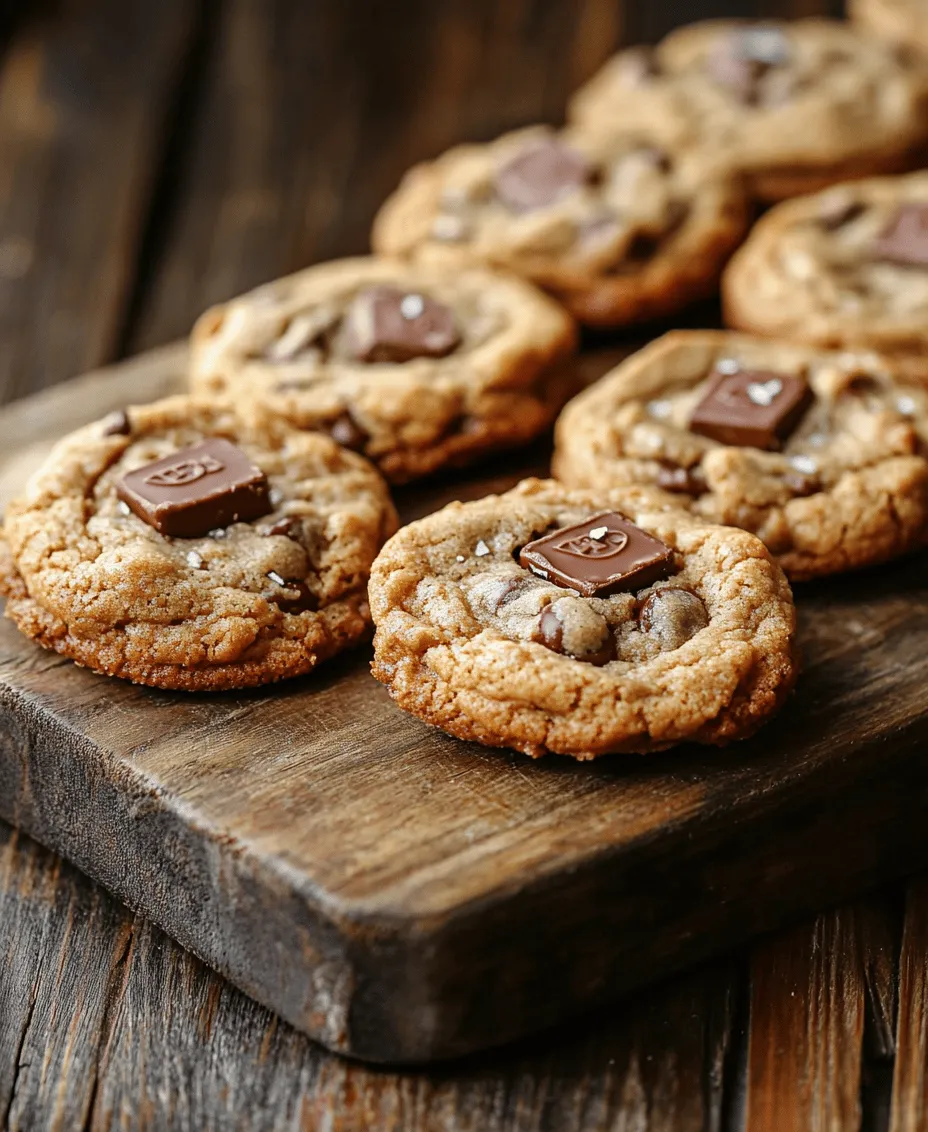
x=511, y=589
x=550, y=630
x=118, y=424
x=388, y=324
x=304, y=601
x=541, y=174
x=685, y=481
x=801, y=483
x=672, y=616
x=550, y=633
x=287, y=526
x=346, y=431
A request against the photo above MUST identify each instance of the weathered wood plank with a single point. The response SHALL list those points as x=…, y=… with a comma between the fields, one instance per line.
x=313, y=112
x=108, y=1024
x=910, y=1078
x=808, y=1003
x=83, y=99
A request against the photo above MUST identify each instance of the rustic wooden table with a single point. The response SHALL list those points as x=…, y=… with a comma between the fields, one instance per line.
x=155, y=158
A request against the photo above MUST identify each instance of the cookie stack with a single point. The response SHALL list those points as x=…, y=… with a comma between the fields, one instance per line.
x=246, y=532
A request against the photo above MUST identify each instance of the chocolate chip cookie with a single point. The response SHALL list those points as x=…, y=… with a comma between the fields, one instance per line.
x=846, y=267
x=582, y=623
x=617, y=228
x=172, y=546
x=823, y=455
x=797, y=106
x=416, y=367
x=903, y=22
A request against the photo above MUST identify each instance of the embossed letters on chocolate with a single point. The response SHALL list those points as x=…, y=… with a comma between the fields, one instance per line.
x=604, y=555
x=197, y=490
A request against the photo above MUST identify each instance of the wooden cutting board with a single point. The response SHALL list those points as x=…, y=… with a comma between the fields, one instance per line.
x=403, y=896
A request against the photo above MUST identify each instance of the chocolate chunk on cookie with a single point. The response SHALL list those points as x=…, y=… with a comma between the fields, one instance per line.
x=196, y=490
x=646, y=626
x=796, y=106
x=195, y=553
x=604, y=554
x=389, y=324
x=751, y=408
x=823, y=455
x=620, y=227
x=847, y=267
x=417, y=367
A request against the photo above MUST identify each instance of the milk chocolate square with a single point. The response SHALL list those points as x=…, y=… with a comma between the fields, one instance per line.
x=386, y=324
x=606, y=554
x=751, y=408
x=196, y=490
x=905, y=239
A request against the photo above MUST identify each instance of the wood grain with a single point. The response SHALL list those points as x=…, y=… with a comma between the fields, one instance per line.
x=108, y=1024
x=82, y=102
x=262, y=829
x=910, y=1080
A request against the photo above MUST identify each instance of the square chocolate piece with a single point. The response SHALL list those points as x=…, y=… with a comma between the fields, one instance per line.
x=905, y=239
x=604, y=555
x=751, y=408
x=194, y=491
x=386, y=324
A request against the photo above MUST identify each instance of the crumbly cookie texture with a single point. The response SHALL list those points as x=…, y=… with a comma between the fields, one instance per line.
x=819, y=269
x=245, y=604
x=902, y=22
x=619, y=229
x=797, y=106
x=416, y=367
x=473, y=643
x=847, y=487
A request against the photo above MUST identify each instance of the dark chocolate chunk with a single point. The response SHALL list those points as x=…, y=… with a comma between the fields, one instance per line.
x=672, y=616
x=751, y=408
x=605, y=554
x=346, y=431
x=686, y=481
x=297, y=598
x=117, y=424
x=905, y=239
x=541, y=174
x=286, y=525
x=741, y=59
x=550, y=630
x=550, y=633
x=386, y=324
x=191, y=492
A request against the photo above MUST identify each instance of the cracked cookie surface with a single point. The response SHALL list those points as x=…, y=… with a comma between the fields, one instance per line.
x=847, y=487
x=795, y=105
x=826, y=269
x=416, y=367
x=617, y=228
x=244, y=604
x=470, y=641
